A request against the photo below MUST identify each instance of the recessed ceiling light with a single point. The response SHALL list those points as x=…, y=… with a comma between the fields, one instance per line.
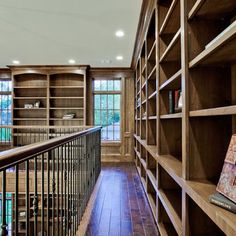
x=106, y=61
x=16, y=62
x=119, y=58
x=71, y=61
x=120, y=33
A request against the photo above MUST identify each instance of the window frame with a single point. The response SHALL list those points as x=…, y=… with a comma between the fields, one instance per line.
x=7, y=93
x=113, y=92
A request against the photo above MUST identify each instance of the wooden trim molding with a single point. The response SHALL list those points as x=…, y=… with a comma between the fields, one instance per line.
x=145, y=16
x=112, y=73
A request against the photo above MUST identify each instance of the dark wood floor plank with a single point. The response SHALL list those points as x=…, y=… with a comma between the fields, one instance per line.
x=121, y=207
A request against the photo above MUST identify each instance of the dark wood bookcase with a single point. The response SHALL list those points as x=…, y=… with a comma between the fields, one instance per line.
x=187, y=46
x=60, y=90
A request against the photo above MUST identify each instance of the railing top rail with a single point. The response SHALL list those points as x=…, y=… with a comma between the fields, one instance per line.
x=18, y=155
x=43, y=127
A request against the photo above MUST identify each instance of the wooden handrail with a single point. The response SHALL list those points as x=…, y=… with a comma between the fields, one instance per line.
x=18, y=155
x=42, y=127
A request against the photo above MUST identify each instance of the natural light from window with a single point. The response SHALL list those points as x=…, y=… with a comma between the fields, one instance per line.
x=107, y=100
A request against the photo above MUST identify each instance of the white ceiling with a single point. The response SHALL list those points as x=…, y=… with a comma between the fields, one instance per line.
x=48, y=32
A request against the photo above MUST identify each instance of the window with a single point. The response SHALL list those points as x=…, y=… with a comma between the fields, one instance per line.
x=5, y=108
x=107, y=100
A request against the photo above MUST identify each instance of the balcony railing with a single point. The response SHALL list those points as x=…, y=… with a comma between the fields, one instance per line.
x=48, y=182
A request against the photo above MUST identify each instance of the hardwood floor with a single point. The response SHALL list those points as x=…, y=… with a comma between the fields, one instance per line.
x=121, y=208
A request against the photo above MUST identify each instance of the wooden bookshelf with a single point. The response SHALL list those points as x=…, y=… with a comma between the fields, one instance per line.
x=186, y=46
x=58, y=90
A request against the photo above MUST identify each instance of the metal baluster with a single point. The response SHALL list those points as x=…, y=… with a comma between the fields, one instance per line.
x=76, y=182
x=4, y=223
x=62, y=183
x=35, y=201
x=48, y=193
x=66, y=185
x=42, y=195
x=53, y=190
x=27, y=203
x=71, y=192
x=58, y=197
x=16, y=199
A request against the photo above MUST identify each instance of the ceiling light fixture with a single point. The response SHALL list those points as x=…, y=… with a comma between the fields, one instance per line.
x=71, y=61
x=120, y=33
x=119, y=58
x=16, y=62
x=106, y=61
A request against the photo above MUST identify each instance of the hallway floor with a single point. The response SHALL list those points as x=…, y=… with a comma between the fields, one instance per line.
x=121, y=208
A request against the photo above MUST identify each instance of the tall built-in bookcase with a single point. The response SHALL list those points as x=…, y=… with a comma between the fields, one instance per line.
x=59, y=91
x=188, y=46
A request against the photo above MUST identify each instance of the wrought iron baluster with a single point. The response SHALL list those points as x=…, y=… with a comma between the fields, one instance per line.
x=42, y=195
x=65, y=187
x=53, y=191
x=48, y=192
x=4, y=223
x=62, y=183
x=16, y=199
x=27, y=203
x=35, y=200
x=58, y=197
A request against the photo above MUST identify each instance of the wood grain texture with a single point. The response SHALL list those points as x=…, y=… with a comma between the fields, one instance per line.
x=121, y=207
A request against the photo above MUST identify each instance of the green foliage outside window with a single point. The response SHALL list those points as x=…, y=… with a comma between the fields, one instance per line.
x=107, y=108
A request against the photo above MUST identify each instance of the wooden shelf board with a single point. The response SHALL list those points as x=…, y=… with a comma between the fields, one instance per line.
x=211, y=8
x=152, y=149
x=174, y=82
x=172, y=52
x=144, y=84
x=171, y=116
x=66, y=97
x=30, y=119
x=152, y=117
x=137, y=153
x=175, y=219
x=144, y=67
x=143, y=163
x=162, y=229
x=220, y=50
x=152, y=73
x=169, y=17
x=30, y=98
x=200, y=192
x=29, y=109
x=152, y=179
x=139, y=170
x=66, y=108
x=138, y=80
x=143, y=182
x=198, y=4
x=153, y=95
x=172, y=166
x=67, y=87
x=151, y=50
x=152, y=204
x=76, y=119
x=30, y=87
x=219, y=111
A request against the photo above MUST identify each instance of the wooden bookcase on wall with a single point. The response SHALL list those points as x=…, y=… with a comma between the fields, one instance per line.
x=187, y=46
x=60, y=90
